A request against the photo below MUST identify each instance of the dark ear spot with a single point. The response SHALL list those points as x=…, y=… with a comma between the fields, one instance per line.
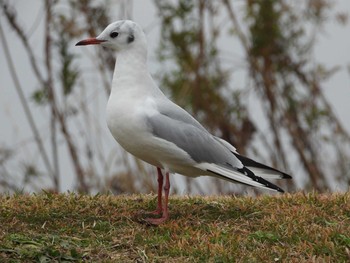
x=131, y=38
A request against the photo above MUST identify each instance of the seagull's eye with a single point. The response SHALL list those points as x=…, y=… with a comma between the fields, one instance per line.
x=114, y=34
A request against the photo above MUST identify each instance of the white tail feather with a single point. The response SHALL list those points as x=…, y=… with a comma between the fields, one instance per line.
x=264, y=173
x=228, y=174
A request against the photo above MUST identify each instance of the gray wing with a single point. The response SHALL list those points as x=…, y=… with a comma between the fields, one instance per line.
x=175, y=112
x=175, y=125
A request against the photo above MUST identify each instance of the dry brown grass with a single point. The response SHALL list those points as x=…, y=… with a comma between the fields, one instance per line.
x=104, y=228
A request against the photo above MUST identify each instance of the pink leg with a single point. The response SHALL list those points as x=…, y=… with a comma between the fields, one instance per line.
x=165, y=216
x=166, y=190
x=159, y=209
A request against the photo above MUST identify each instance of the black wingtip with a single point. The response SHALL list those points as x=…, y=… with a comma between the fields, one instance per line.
x=261, y=180
x=249, y=162
x=249, y=173
x=286, y=176
x=280, y=190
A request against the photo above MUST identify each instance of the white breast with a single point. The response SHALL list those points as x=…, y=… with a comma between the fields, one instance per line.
x=128, y=125
x=126, y=119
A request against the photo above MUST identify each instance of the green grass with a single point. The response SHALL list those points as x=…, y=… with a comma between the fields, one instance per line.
x=104, y=228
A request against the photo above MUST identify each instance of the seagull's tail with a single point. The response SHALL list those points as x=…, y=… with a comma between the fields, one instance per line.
x=260, y=169
x=241, y=175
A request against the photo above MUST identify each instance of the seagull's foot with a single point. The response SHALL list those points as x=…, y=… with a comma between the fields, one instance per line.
x=157, y=221
x=158, y=211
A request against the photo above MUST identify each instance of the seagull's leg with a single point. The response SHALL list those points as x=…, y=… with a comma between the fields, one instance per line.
x=159, y=209
x=160, y=191
x=165, y=216
x=166, y=190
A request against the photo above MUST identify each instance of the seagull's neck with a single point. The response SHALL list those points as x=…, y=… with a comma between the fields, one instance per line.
x=130, y=69
x=131, y=78
x=133, y=58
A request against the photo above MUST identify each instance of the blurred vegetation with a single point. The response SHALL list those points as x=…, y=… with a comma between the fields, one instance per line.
x=284, y=83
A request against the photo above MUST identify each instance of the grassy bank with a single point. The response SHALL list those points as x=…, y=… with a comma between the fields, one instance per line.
x=105, y=228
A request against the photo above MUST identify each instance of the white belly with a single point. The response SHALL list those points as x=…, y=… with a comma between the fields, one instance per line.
x=128, y=126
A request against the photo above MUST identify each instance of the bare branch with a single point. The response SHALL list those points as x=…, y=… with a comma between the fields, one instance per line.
x=11, y=18
x=51, y=92
x=25, y=105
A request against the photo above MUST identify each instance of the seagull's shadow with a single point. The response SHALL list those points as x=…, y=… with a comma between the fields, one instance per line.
x=198, y=211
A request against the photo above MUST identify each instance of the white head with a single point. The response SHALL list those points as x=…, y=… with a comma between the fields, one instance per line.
x=120, y=35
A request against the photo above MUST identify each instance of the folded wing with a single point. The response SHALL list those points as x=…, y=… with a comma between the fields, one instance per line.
x=209, y=153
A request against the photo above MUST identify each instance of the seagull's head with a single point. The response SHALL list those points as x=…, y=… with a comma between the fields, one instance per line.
x=120, y=35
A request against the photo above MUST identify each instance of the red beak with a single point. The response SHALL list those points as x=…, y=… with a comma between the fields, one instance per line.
x=90, y=41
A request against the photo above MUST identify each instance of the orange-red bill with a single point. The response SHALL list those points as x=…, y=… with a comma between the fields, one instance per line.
x=89, y=41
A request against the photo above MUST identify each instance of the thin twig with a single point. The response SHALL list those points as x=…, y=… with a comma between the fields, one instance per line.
x=51, y=93
x=11, y=18
x=25, y=105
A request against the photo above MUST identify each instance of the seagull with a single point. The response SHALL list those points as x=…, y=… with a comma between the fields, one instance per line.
x=156, y=130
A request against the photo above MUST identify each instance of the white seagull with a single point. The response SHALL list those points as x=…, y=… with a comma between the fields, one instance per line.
x=156, y=130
